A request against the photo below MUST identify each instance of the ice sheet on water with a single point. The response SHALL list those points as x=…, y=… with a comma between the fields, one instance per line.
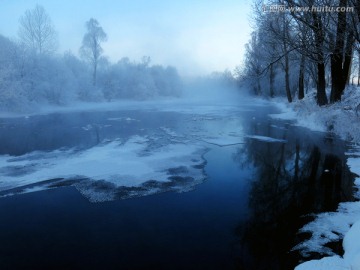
x=284, y=116
x=265, y=139
x=278, y=127
x=110, y=170
x=223, y=140
x=127, y=119
x=169, y=159
x=169, y=132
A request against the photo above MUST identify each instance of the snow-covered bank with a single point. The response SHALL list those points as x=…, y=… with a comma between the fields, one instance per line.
x=345, y=223
x=350, y=259
x=339, y=119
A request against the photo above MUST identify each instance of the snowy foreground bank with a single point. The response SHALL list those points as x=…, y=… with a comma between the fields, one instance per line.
x=341, y=120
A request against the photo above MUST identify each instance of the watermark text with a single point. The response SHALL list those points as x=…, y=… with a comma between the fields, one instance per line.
x=283, y=8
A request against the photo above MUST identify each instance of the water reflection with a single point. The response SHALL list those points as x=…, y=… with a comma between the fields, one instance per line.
x=81, y=130
x=307, y=174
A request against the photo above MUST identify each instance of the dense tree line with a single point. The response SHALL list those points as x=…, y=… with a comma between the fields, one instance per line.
x=32, y=73
x=300, y=45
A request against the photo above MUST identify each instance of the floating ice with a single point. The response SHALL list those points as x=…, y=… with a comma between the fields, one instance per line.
x=108, y=171
x=265, y=138
x=223, y=140
x=127, y=119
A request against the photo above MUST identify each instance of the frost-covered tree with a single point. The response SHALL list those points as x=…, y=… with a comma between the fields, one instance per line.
x=254, y=63
x=313, y=44
x=11, y=91
x=329, y=41
x=341, y=55
x=131, y=80
x=83, y=87
x=91, y=48
x=317, y=22
x=29, y=79
x=276, y=31
x=269, y=53
x=37, y=32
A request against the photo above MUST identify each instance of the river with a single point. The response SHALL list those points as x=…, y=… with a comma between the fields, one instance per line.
x=238, y=186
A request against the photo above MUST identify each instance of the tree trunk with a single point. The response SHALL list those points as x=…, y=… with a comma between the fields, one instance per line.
x=271, y=81
x=348, y=72
x=358, y=68
x=258, y=90
x=301, y=78
x=321, y=93
x=297, y=161
x=319, y=39
x=348, y=56
x=340, y=69
x=94, y=74
x=287, y=82
x=338, y=80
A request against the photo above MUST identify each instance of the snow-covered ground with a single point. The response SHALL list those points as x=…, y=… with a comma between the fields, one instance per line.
x=341, y=119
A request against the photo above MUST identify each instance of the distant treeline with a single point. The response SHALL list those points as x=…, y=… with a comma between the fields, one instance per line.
x=28, y=78
x=32, y=73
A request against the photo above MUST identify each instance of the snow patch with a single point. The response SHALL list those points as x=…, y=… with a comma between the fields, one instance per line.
x=223, y=140
x=265, y=139
x=110, y=166
x=327, y=263
x=127, y=119
x=169, y=132
x=329, y=227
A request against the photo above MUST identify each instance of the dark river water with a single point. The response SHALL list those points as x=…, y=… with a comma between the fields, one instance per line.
x=245, y=215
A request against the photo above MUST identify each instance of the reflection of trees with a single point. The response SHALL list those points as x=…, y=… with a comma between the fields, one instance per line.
x=290, y=180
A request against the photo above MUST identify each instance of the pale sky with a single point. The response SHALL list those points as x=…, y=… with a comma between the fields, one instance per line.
x=195, y=36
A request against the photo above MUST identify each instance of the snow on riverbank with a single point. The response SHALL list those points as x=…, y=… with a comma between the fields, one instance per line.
x=334, y=226
x=340, y=119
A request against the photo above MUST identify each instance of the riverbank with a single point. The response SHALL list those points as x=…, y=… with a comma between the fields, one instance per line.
x=339, y=119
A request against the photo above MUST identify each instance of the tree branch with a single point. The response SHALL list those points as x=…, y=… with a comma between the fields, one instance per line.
x=277, y=60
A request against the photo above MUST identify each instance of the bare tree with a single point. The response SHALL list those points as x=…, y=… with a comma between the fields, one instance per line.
x=37, y=32
x=275, y=50
x=315, y=48
x=341, y=55
x=91, y=45
x=254, y=62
